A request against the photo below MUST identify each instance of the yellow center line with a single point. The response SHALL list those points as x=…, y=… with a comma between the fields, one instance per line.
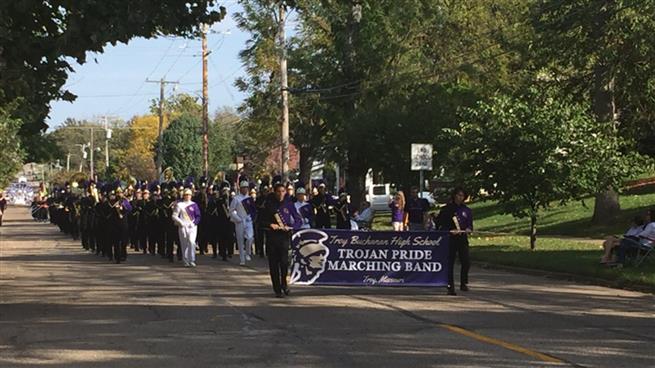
x=507, y=345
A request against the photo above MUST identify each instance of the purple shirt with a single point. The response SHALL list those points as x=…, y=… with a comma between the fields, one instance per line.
x=194, y=212
x=126, y=205
x=464, y=217
x=289, y=215
x=397, y=213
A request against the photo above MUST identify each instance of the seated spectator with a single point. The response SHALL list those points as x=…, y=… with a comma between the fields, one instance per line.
x=364, y=217
x=612, y=242
x=645, y=237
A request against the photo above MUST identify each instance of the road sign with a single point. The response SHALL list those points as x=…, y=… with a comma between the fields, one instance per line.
x=421, y=157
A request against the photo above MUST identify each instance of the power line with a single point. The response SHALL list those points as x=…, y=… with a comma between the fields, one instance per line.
x=176, y=59
x=143, y=83
x=119, y=95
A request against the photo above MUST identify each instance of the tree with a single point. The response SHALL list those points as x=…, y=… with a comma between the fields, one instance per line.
x=140, y=155
x=531, y=150
x=176, y=105
x=41, y=39
x=11, y=154
x=182, y=146
x=601, y=51
x=222, y=140
x=381, y=60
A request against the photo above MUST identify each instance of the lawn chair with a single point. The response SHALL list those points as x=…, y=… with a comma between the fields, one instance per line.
x=639, y=251
x=644, y=252
x=366, y=225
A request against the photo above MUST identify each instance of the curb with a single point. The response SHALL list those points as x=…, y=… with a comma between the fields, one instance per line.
x=569, y=277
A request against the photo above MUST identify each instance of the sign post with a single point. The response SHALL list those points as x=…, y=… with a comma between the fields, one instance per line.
x=421, y=160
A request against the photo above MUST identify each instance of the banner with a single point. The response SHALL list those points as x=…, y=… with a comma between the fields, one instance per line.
x=380, y=258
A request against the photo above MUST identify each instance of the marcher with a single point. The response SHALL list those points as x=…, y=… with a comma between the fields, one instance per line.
x=3, y=205
x=279, y=217
x=457, y=218
x=186, y=216
x=242, y=211
x=304, y=209
x=343, y=210
x=260, y=232
x=168, y=228
x=323, y=204
x=202, y=201
x=223, y=225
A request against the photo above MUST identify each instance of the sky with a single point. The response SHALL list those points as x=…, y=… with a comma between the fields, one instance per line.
x=113, y=83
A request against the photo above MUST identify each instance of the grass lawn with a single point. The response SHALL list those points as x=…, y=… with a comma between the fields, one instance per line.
x=572, y=220
x=560, y=255
x=557, y=249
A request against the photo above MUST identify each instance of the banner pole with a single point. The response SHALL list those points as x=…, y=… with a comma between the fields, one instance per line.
x=420, y=184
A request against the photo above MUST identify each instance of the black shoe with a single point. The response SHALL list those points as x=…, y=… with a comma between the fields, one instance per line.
x=286, y=291
x=214, y=256
x=279, y=295
x=224, y=258
x=463, y=287
x=451, y=291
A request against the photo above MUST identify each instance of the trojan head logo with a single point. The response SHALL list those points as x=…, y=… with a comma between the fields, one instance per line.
x=309, y=256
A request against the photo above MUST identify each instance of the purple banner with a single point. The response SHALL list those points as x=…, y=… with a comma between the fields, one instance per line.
x=379, y=258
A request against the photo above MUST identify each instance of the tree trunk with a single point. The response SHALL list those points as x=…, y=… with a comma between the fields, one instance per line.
x=356, y=183
x=305, y=164
x=533, y=231
x=604, y=107
x=606, y=207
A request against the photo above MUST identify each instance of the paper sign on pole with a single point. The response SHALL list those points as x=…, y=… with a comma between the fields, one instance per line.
x=421, y=157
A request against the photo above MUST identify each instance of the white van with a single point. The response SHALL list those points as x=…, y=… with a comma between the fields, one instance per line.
x=379, y=196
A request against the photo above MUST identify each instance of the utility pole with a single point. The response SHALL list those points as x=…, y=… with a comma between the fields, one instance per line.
x=285, y=93
x=205, y=103
x=91, y=172
x=160, y=141
x=107, y=136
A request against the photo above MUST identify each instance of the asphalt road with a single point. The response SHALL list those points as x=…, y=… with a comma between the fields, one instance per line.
x=63, y=307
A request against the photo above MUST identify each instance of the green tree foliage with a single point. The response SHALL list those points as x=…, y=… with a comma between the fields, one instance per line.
x=223, y=136
x=11, y=154
x=41, y=39
x=602, y=52
x=178, y=104
x=183, y=146
x=370, y=77
x=531, y=150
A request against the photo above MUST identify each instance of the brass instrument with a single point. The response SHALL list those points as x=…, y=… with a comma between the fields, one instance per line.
x=167, y=175
x=77, y=180
x=94, y=195
x=119, y=208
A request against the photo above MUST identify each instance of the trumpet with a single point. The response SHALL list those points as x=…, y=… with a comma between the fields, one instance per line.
x=119, y=209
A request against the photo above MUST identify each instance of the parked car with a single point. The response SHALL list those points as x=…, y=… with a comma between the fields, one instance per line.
x=379, y=196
